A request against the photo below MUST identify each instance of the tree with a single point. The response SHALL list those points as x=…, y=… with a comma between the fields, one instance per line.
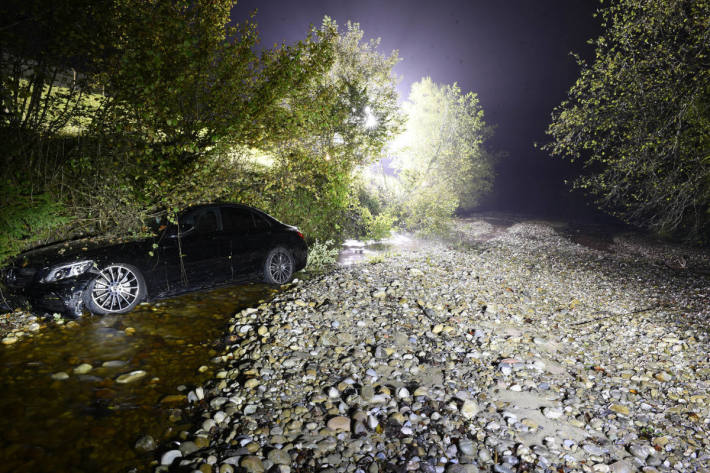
x=47, y=56
x=344, y=119
x=441, y=157
x=639, y=116
x=119, y=109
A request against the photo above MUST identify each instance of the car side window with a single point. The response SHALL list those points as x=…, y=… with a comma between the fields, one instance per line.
x=237, y=220
x=260, y=223
x=207, y=221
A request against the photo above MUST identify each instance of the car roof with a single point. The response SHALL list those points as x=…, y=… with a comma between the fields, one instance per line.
x=228, y=204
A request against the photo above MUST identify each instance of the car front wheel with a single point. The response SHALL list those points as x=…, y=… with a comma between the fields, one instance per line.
x=278, y=268
x=116, y=290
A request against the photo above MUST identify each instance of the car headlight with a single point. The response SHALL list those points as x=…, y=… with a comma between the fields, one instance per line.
x=65, y=271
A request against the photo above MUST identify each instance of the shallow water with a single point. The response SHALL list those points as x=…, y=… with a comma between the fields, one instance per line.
x=357, y=251
x=89, y=422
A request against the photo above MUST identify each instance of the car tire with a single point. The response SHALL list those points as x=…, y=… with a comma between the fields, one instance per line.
x=278, y=267
x=117, y=289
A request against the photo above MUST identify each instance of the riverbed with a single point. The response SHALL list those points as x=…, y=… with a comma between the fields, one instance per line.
x=64, y=405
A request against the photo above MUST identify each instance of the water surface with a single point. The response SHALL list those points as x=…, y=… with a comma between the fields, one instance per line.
x=89, y=422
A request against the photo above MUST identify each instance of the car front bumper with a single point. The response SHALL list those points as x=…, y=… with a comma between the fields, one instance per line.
x=63, y=296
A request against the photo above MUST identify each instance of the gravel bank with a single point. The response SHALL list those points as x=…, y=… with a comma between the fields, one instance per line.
x=523, y=352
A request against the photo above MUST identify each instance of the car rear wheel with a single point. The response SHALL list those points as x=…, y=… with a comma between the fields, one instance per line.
x=116, y=290
x=278, y=268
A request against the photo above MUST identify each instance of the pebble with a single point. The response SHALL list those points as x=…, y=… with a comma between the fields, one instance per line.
x=469, y=409
x=145, y=444
x=169, y=457
x=130, y=377
x=279, y=457
x=252, y=464
x=483, y=362
x=339, y=423
x=552, y=413
x=83, y=368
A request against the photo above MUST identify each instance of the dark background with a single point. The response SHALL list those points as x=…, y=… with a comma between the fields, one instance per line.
x=515, y=54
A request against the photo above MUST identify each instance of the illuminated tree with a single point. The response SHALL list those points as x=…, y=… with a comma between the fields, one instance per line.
x=441, y=156
x=344, y=119
x=639, y=116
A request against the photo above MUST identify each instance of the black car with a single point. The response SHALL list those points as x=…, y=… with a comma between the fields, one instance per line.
x=213, y=245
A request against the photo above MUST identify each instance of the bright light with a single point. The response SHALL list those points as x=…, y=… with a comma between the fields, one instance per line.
x=370, y=118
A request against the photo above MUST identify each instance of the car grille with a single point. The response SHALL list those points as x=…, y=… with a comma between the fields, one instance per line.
x=19, y=278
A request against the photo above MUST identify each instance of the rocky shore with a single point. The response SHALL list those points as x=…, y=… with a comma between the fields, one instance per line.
x=520, y=351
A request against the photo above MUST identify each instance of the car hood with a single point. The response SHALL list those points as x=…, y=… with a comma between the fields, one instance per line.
x=75, y=250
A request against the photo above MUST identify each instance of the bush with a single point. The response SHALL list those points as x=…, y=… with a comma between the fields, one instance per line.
x=429, y=212
x=322, y=256
x=379, y=226
x=26, y=220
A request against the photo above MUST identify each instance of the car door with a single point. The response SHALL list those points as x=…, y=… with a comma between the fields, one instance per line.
x=244, y=236
x=196, y=257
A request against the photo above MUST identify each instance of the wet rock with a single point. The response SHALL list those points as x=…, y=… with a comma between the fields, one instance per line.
x=83, y=368
x=131, y=377
x=145, y=444
x=169, y=457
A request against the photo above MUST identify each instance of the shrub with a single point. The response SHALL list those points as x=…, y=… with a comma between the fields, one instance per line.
x=322, y=256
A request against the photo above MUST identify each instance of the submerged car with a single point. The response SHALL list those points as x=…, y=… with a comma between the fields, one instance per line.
x=212, y=245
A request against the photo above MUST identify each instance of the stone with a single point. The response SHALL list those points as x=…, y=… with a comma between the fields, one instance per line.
x=279, y=457
x=83, y=368
x=619, y=409
x=663, y=377
x=251, y=383
x=621, y=466
x=466, y=447
x=226, y=468
x=188, y=447
x=462, y=468
x=339, y=423
x=469, y=409
x=60, y=376
x=169, y=457
x=552, y=412
x=593, y=449
x=130, y=377
x=145, y=444
x=252, y=464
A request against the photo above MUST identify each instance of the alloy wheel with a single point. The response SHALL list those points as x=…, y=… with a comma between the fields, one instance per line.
x=115, y=289
x=280, y=267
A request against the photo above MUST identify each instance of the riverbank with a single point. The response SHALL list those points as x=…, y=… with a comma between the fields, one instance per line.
x=511, y=348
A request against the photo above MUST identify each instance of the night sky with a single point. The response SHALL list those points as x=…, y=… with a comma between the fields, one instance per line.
x=513, y=53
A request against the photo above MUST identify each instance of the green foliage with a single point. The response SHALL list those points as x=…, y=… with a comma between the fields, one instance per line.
x=430, y=210
x=322, y=256
x=441, y=158
x=378, y=227
x=26, y=219
x=638, y=116
x=129, y=109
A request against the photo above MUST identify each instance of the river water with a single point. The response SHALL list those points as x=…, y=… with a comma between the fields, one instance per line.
x=90, y=422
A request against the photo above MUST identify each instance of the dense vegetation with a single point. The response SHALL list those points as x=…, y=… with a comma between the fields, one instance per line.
x=442, y=162
x=639, y=116
x=116, y=112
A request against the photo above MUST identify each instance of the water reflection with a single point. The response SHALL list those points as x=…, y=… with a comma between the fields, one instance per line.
x=88, y=422
x=357, y=251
